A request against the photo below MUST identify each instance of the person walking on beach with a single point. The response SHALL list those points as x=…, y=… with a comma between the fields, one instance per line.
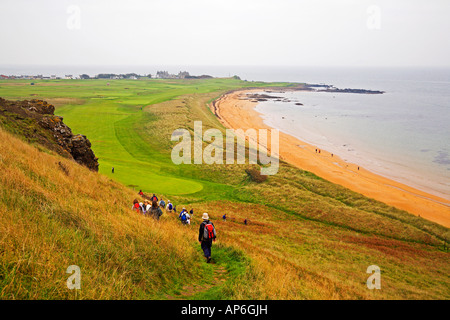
x=206, y=236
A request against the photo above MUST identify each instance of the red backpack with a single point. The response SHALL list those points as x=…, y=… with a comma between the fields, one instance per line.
x=209, y=231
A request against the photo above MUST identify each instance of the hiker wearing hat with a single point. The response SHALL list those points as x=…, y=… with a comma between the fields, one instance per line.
x=206, y=236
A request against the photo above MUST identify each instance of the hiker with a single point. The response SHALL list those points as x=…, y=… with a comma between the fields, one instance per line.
x=175, y=209
x=169, y=206
x=224, y=217
x=162, y=204
x=148, y=207
x=141, y=207
x=144, y=207
x=154, y=198
x=135, y=206
x=141, y=193
x=182, y=216
x=191, y=212
x=206, y=236
x=185, y=217
x=188, y=219
x=112, y=170
x=155, y=211
x=245, y=221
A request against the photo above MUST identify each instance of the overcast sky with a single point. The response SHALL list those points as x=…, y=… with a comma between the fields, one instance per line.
x=225, y=32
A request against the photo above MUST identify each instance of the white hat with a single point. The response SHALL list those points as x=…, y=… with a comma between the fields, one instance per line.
x=205, y=216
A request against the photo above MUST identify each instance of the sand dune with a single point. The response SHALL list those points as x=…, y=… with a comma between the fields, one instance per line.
x=235, y=112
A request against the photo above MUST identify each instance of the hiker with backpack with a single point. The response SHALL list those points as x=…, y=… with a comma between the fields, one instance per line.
x=169, y=206
x=154, y=198
x=206, y=236
x=135, y=206
x=155, y=211
x=184, y=217
x=162, y=204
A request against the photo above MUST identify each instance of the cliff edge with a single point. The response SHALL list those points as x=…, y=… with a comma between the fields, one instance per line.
x=35, y=121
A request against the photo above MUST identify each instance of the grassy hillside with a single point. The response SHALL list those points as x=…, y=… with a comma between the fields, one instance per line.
x=306, y=238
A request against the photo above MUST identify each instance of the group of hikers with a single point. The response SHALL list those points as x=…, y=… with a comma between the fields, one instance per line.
x=153, y=208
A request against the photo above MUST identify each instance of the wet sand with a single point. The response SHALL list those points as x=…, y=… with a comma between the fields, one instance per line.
x=235, y=112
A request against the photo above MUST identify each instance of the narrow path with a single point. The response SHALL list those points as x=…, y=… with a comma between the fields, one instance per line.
x=190, y=290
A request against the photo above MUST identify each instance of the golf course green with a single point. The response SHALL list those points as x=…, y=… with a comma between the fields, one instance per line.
x=116, y=115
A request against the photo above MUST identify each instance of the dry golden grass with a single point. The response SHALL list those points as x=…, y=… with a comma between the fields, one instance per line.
x=50, y=220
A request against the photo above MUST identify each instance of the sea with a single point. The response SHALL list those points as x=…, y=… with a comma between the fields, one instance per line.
x=402, y=134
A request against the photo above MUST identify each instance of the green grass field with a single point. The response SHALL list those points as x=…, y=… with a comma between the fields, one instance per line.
x=306, y=239
x=109, y=114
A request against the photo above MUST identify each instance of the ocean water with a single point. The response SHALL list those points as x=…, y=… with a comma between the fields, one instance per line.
x=403, y=134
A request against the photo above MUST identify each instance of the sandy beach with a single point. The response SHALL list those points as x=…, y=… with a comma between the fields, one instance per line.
x=238, y=113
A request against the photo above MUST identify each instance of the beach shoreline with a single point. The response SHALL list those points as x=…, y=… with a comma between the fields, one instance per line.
x=235, y=111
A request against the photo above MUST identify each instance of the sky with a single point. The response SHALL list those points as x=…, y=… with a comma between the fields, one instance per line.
x=225, y=32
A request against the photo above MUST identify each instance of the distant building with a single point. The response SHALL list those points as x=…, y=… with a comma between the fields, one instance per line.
x=183, y=75
x=68, y=76
x=167, y=75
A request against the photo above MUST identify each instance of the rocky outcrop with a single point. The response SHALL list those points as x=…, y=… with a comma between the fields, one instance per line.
x=35, y=120
x=82, y=152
